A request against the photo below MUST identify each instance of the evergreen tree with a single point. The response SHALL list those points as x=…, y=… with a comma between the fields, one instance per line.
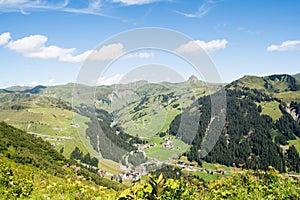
x=87, y=159
x=94, y=162
x=76, y=154
x=293, y=159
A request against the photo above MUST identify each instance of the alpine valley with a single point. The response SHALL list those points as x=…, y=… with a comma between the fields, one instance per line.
x=50, y=144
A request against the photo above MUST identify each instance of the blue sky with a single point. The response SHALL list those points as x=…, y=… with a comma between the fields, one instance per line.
x=45, y=41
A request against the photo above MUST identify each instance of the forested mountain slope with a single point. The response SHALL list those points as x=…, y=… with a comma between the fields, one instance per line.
x=254, y=134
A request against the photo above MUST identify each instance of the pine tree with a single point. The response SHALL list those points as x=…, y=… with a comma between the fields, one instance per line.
x=293, y=159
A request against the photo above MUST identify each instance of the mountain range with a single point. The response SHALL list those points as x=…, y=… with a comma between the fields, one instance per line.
x=145, y=121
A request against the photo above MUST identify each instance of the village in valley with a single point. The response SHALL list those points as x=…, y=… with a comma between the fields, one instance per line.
x=135, y=173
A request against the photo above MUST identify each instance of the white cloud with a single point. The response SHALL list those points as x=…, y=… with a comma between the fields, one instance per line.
x=135, y=2
x=50, y=81
x=110, y=80
x=140, y=55
x=197, y=45
x=75, y=59
x=35, y=83
x=94, y=4
x=24, y=6
x=10, y=2
x=107, y=52
x=289, y=45
x=50, y=52
x=27, y=44
x=34, y=46
x=203, y=10
x=4, y=38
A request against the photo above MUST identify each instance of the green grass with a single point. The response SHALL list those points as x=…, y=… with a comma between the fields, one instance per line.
x=48, y=186
x=271, y=109
x=159, y=113
x=296, y=143
x=214, y=167
x=164, y=154
x=277, y=85
x=274, y=133
x=109, y=166
x=171, y=114
x=276, y=88
x=253, y=82
x=11, y=116
x=158, y=119
x=150, y=124
x=210, y=177
x=288, y=97
x=43, y=121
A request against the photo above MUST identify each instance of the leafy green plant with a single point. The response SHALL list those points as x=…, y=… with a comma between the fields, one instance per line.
x=12, y=186
x=160, y=188
x=246, y=184
x=253, y=185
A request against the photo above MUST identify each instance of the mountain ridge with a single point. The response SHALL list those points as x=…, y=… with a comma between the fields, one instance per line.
x=140, y=112
x=297, y=76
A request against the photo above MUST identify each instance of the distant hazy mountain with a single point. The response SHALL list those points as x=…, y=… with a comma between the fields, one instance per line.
x=18, y=88
x=297, y=76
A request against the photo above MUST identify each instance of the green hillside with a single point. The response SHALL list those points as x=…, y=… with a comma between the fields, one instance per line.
x=271, y=108
x=143, y=116
x=284, y=87
x=50, y=118
x=244, y=184
x=31, y=168
x=297, y=76
x=152, y=107
x=273, y=83
x=149, y=109
x=258, y=126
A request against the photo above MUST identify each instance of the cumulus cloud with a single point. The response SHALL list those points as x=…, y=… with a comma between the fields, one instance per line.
x=197, y=45
x=140, y=55
x=289, y=45
x=4, y=38
x=107, y=52
x=34, y=46
x=27, y=44
x=75, y=59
